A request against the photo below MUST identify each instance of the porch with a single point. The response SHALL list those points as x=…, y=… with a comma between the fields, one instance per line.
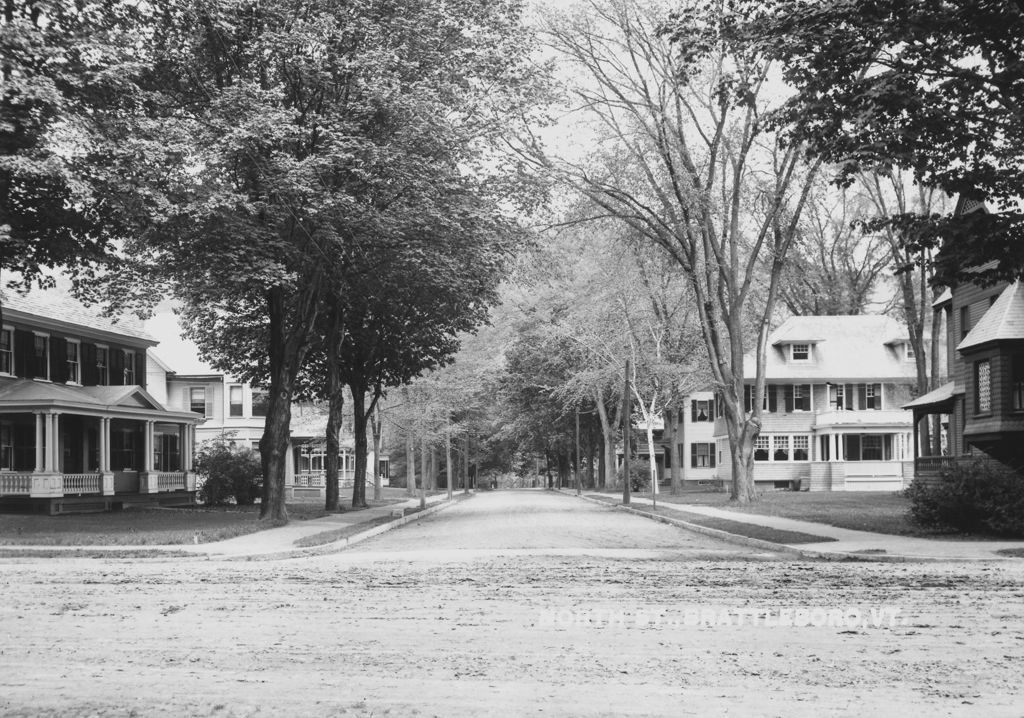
x=77, y=456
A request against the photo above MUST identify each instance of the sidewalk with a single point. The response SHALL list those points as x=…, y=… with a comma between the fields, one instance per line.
x=281, y=542
x=849, y=543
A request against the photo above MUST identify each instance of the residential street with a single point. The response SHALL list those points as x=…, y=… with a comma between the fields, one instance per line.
x=480, y=610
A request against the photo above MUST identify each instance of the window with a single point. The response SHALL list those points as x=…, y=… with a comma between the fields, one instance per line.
x=908, y=352
x=123, y=450
x=6, y=447
x=1017, y=382
x=867, y=447
x=102, y=366
x=260, y=402
x=798, y=397
x=129, y=367
x=41, y=356
x=702, y=456
x=166, y=455
x=701, y=410
x=197, y=400
x=781, y=446
x=74, y=372
x=871, y=396
x=6, y=351
x=384, y=468
x=982, y=387
x=801, y=444
x=839, y=396
x=235, y=400
x=965, y=322
x=761, y=448
x=801, y=352
x=826, y=448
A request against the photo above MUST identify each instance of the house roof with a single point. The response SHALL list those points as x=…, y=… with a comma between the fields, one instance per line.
x=935, y=398
x=28, y=394
x=59, y=307
x=1003, y=320
x=849, y=348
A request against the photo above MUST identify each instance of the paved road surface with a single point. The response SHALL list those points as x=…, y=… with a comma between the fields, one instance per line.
x=483, y=609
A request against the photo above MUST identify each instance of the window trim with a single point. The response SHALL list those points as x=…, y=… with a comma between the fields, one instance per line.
x=241, y=402
x=769, y=441
x=48, y=357
x=192, y=401
x=792, y=352
x=103, y=370
x=978, y=409
x=129, y=367
x=77, y=343
x=909, y=355
x=710, y=449
x=10, y=350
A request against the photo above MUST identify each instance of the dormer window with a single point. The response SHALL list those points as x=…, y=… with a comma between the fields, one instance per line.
x=800, y=352
x=908, y=352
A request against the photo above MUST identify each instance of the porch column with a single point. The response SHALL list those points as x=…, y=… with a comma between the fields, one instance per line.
x=147, y=447
x=40, y=438
x=104, y=447
x=50, y=441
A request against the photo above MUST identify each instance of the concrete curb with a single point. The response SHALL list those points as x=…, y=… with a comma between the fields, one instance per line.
x=346, y=541
x=779, y=547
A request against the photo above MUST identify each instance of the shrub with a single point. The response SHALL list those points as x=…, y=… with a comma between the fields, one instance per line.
x=977, y=497
x=639, y=475
x=228, y=473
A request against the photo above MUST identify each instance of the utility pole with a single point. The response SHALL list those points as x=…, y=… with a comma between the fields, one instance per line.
x=578, y=491
x=448, y=460
x=626, y=427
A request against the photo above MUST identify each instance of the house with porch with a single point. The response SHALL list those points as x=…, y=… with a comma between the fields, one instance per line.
x=78, y=429
x=236, y=411
x=832, y=411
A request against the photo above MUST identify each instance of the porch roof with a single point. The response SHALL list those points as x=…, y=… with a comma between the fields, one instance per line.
x=25, y=395
x=936, y=399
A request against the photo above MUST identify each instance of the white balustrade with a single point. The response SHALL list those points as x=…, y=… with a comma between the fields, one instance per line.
x=81, y=483
x=15, y=484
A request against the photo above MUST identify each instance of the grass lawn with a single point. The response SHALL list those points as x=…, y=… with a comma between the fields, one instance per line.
x=157, y=526
x=879, y=511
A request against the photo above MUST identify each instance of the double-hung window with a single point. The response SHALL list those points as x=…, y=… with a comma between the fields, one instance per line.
x=41, y=355
x=129, y=367
x=702, y=456
x=6, y=350
x=73, y=354
x=982, y=387
x=102, y=366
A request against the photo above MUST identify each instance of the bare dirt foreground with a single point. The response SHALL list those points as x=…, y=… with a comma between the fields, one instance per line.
x=512, y=604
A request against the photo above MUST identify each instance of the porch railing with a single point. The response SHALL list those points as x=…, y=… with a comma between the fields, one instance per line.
x=170, y=481
x=82, y=483
x=310, y=479
x=16, y=484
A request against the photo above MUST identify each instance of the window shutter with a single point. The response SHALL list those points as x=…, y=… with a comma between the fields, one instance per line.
x=23, y=354
x=773, y=399
x=748, y=402
x=693, y=456
x=848, y=396
x=58, y=359
x=807, y=397
x=711, y=455
x=693, y=410
x=208, y=396
x=140, y=368
x=789, y=398
x=87, y=364
x=116, y=371
x=711, y=410
x=862, y=396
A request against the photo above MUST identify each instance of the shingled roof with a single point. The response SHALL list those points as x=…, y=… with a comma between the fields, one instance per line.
x=857, y=347
x=57, y=305
x=1003, y=320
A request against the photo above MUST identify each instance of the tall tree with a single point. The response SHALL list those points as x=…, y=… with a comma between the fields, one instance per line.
x=933, y=87
x=685, y=161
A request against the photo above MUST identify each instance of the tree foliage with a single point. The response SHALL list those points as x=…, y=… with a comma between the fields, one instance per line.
x=930, y=86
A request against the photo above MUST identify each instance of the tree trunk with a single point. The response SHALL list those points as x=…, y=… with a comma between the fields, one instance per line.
x=359, y=420
x=465, y=465
x=934, y=356
x=335, y=414
x=410, y=465
x=426, y=465
x=602, y=460
x=448, y=462
x=673, y=451
x=435, y=468
x=378, y=440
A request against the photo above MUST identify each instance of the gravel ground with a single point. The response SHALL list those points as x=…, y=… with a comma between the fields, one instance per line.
x=513, y=603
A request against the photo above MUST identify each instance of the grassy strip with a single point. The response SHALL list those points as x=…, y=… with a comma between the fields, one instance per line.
x=90, y=553
x=739, y=528
x=326, y=537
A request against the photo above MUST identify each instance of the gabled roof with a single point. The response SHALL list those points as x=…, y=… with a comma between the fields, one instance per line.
x=1004, y=320
x=59, y=307
x=28, y=393
x=847, y=348
x=935, y=398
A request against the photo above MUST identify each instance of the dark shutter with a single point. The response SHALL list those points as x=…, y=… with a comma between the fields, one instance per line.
x=693, y=410
x=58, y=359
x=789, y=398
x=711, y=409
x=693, y=456
x=116, y=359
x=140, y=368
x=24, y=364
x=807, y=397
x=88, y=364
x=862, y=396
x=748, y=401
x=878, y=396
x=711, y=455
x=773, y=399
x=848, y=396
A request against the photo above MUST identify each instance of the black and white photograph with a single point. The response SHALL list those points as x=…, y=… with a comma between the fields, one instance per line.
x=461, y=358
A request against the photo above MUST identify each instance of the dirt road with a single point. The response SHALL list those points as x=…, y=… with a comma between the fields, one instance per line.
x=513, y=603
